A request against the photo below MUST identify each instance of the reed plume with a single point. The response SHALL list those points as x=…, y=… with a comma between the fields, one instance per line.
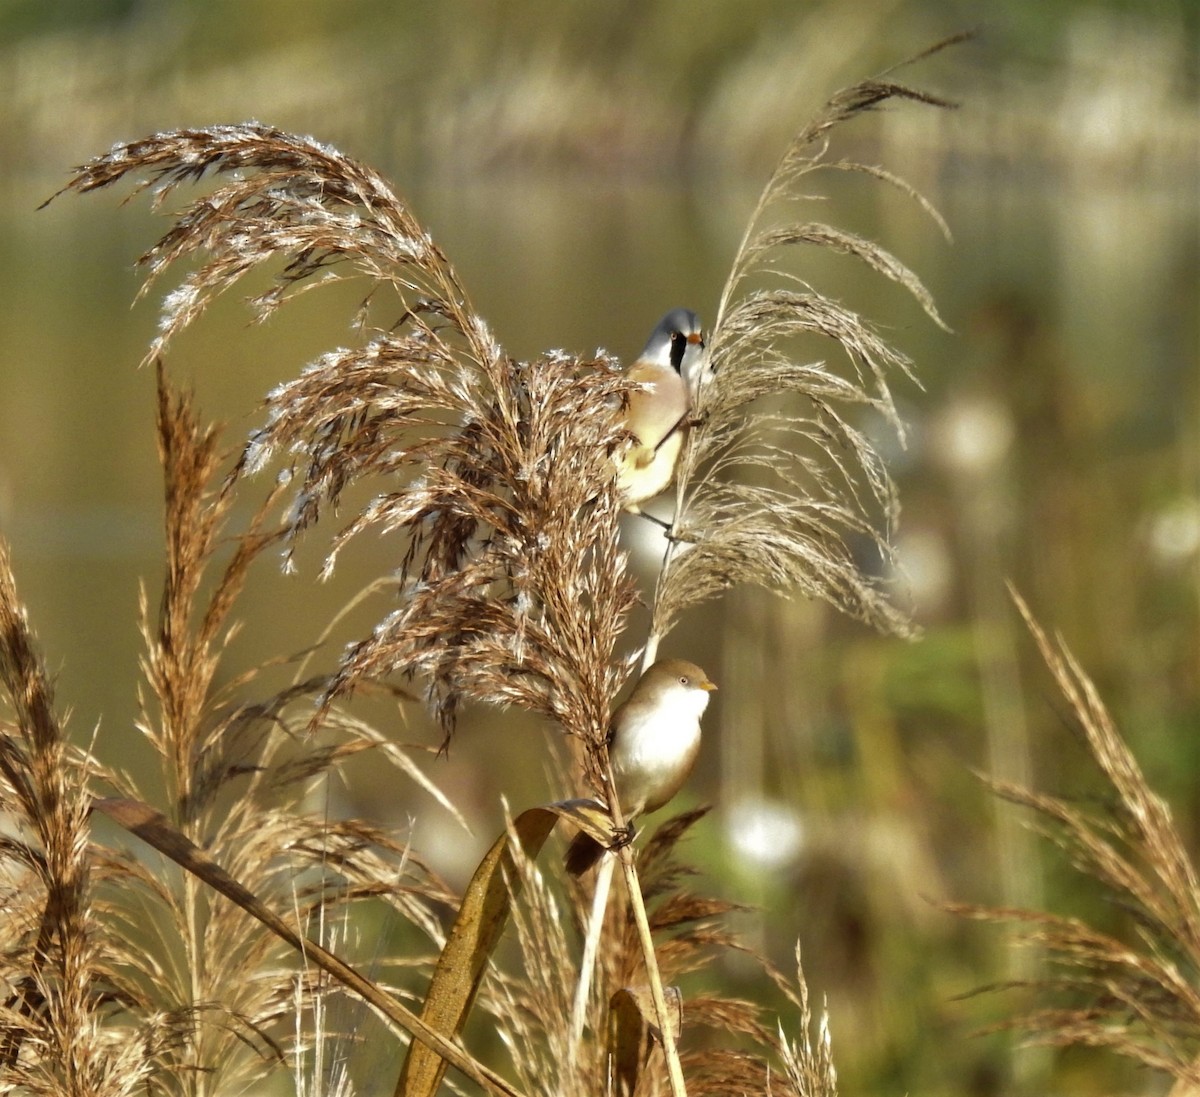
x=512, y=589
x=71, y=1020
x=118, y=974
x=497, y=470
x=782, y=476
x=1134, y=990
x=237, y=778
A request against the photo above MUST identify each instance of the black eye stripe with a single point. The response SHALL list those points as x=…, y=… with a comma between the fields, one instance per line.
x=678, y=346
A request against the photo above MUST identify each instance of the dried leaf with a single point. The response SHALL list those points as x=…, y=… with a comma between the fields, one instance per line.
x=631, y=1026
x=468, y=950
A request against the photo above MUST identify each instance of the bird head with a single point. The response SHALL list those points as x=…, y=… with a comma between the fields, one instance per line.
x=677, y=342
x=679, y=684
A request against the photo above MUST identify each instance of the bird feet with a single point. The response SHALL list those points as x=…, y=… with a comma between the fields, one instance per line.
x=667, y=528
x=621, y=837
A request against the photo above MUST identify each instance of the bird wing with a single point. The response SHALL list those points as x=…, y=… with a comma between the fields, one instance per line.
x=667, y=437
x=655, y=413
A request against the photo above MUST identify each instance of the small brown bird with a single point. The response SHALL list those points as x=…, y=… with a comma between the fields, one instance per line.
x=658, y=415
x=653, y=740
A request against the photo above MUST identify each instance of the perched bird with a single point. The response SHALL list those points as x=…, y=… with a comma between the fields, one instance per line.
x=658, y=416
x=653, y=740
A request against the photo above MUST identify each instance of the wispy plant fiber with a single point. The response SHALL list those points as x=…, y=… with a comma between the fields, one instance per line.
x=781, y=484
x=498, y=471
x=1134, y=992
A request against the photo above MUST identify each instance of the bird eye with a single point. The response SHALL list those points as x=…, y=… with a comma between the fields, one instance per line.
x=678, y=346
x=683, y=680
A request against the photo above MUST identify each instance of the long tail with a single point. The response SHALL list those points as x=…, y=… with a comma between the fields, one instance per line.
x=583, y=852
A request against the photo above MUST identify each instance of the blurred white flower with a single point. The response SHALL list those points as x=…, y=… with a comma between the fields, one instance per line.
x=973, y=435
x=767, y=833
x=925, y=567
x=1174, y=531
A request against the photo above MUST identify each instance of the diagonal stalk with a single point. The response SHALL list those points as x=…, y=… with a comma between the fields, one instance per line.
x=665, y=1028
x=634, y=887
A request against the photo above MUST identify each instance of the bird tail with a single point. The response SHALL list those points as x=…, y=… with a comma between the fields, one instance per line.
x=583, y=852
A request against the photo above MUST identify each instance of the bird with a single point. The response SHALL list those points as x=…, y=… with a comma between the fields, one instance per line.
x=658, y=415
x=653, y=740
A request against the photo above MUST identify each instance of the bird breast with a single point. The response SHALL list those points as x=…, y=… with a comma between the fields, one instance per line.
x=656, y=411
x=653, y=756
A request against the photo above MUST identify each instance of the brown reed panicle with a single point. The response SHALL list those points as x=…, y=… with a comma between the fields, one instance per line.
x=236, y=776
x=771, y=491
x=1137, y=993
x=116, y=975
x=68, y=1019
x=499, y=471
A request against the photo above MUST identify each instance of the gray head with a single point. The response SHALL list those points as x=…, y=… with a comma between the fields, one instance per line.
x=677, y=341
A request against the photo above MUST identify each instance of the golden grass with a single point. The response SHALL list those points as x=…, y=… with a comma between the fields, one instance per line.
x=1134, y=991
x=122, y=973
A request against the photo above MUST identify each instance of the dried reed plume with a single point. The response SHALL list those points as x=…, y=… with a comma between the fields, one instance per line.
x=780, y=476
x=497, y=470
x=236, y=775
x=66, y=1020
x=117, y=973
x=1137, y=994
x=513, y=590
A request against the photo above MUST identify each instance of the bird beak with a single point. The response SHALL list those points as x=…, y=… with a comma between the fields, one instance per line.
x=708, y=686
x=697, y=337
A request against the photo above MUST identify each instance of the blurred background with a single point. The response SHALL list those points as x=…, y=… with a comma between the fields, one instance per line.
x=587, y=166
